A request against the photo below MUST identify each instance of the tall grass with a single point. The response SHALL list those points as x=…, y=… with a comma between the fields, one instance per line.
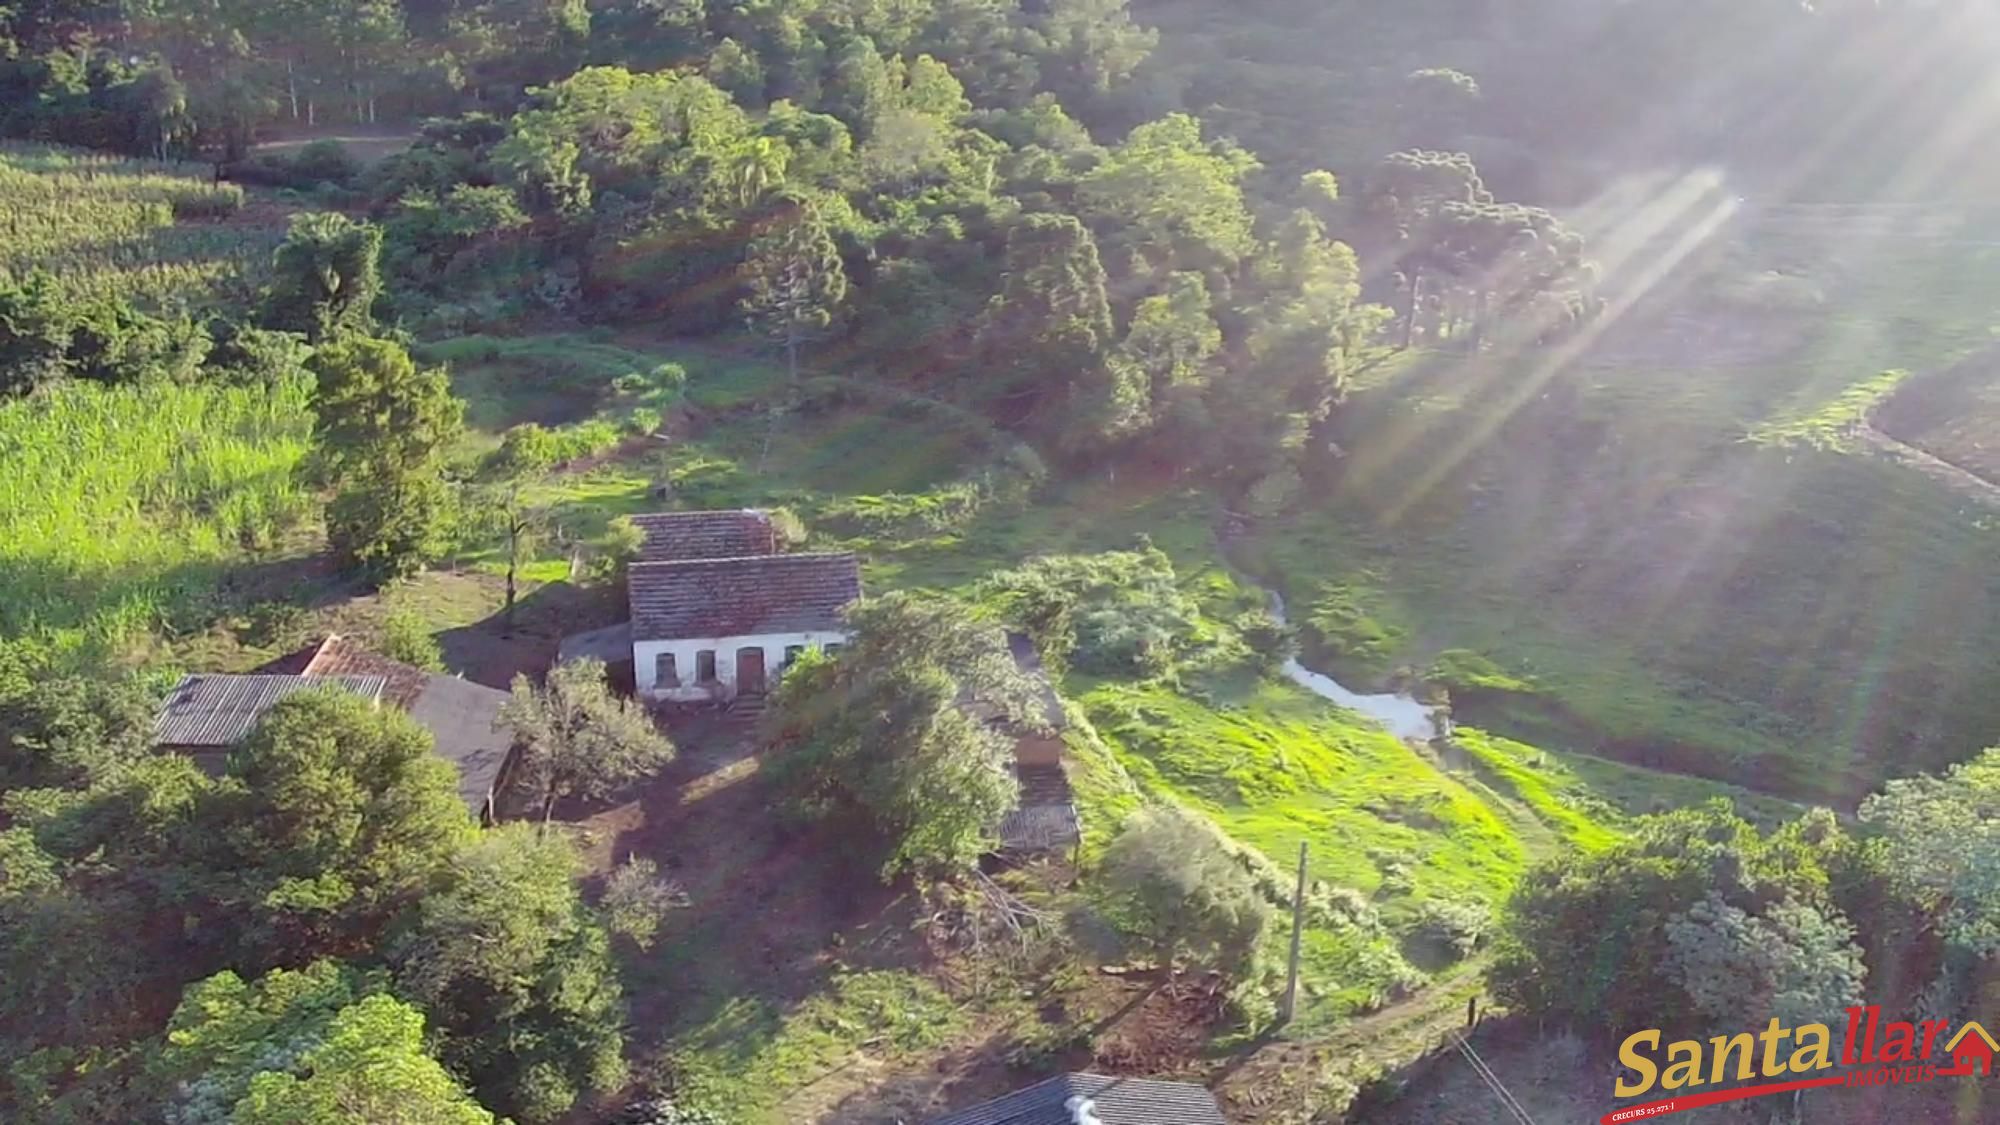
x=111, y=227
x=118, y=506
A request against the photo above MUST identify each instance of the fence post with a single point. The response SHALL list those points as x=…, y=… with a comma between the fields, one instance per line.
x=1290, y=1004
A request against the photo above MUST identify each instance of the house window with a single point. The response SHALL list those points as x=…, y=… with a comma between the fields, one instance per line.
x=834, y=648
x=704, y=666
x=792, y=654
x=664, y=672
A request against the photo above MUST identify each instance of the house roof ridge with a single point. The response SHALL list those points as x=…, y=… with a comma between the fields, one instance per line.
x=788, y=556
x=319, y=653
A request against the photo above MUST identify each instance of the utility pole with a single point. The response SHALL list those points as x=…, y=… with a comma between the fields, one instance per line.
x=1290, y=1004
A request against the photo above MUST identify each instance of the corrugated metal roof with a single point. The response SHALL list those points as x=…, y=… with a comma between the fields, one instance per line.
x=1118, y=1101
x=207, y=710
x=1045, y=818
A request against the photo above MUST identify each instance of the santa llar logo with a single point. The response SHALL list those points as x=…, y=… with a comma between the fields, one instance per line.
x=1871, y=1054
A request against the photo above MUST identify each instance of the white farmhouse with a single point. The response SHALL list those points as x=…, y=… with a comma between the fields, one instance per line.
x=716, y=613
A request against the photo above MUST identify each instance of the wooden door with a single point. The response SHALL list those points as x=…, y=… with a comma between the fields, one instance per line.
x=749, y=671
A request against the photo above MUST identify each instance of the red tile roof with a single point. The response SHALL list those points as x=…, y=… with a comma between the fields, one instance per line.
x=677, y=536
x=342, y=656
x=742, y=597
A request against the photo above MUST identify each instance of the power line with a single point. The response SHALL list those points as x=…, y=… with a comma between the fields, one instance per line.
x=1491, y=1080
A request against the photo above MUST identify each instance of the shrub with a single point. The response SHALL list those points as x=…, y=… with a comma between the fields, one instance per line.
x=325, y=161
x=1340, y=623
x=406, y=638
x=636, y=899
x=1273, y=640
x=1461, y=669
x=1458, y=926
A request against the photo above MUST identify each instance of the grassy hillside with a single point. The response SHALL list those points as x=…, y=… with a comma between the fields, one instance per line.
x=1666, y=528
x=938, y=501
x=159, y=234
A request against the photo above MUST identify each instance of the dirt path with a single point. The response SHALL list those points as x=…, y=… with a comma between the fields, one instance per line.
x=1968, y=484
x=1289, y=1082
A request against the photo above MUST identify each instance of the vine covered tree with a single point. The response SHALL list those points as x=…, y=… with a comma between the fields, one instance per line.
x=1173, y=882
x=878, y=735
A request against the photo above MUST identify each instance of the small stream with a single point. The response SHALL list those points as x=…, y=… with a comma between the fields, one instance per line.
x=1399, y=713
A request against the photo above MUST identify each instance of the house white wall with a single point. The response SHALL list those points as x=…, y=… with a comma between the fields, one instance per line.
x=646, y=654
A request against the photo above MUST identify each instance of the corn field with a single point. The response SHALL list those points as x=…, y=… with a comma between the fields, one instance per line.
x=106, y=226
x=119, y=505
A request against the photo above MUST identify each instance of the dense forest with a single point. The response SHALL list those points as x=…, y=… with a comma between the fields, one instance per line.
x=1531, y=349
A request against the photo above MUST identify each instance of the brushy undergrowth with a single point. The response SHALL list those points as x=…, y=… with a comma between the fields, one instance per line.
x=745, y=1061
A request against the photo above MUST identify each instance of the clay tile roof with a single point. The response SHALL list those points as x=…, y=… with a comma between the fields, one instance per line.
x=342, y=656
x=220, y=711
x=1117, y=1101
x=676, y=536
x=742, y=597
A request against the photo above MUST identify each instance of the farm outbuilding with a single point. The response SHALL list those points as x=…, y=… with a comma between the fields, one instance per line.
x=206, y=715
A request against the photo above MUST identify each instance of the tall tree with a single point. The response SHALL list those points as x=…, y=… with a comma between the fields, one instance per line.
x=1305, y=331
x=70, y=731
x=861, y=87
x=1405, y=197
x=1645, y=933
x=1437, y=106
x=226, y=1030
x=370, y=1066
x=525, y=456
x=1169, y=195
x=880, y=735
x=1794, y=962
x=795, y=277
x=325, y=277
x=1046, y=333
x=1169, y=344
x=517, y=976
x=381, y=428
x=575, y=737
x=1941, y=836
x=332, y=816
x=1089, y=47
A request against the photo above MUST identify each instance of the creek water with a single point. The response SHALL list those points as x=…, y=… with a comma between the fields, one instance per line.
x=1398, y=712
